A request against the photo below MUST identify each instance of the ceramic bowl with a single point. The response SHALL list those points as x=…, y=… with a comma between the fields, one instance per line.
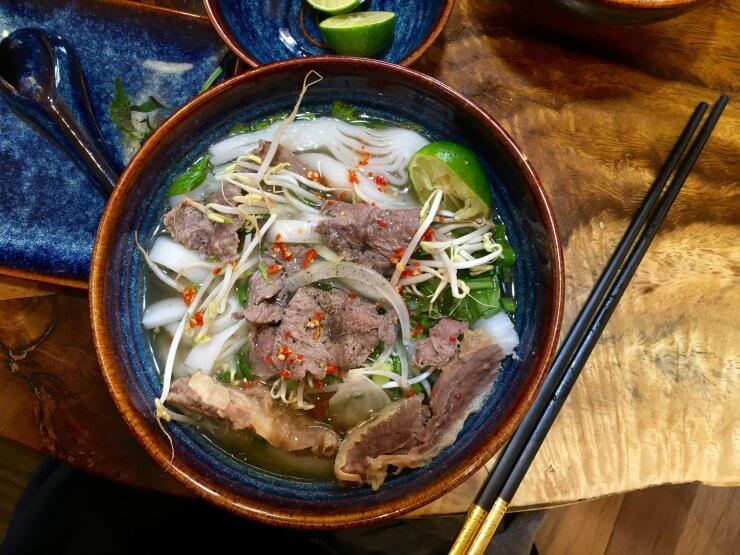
x=629, y=12
x=265, y=31
x=139, y=201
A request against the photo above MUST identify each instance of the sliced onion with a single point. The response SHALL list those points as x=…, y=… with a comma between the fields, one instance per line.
x=365, y=281
x=501, y=328
x=174, y=256
x=163, y=312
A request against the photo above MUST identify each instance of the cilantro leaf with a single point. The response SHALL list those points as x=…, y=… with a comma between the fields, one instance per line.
x=193, y=176
x=121, y=110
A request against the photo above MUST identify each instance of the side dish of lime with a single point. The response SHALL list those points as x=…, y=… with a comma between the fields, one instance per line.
x=359, y=33
x=456, y=170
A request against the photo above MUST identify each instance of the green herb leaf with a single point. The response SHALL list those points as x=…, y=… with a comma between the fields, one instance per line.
x=344, y=112
x=263, y=271
x=212, y=78
x=332, y=378
x=243, y=368
x=242, y=293
x=194, y=176
x=263, y=124
x=120, y=112
x=150, y=105
x=119, y=109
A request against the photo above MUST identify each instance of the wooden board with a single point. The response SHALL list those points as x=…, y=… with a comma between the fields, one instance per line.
x=596, y=109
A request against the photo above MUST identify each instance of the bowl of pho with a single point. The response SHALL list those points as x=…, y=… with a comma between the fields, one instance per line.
x=325, y=292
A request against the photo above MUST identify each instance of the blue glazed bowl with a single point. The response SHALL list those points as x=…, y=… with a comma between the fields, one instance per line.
x=139, y=201
x=265, y=31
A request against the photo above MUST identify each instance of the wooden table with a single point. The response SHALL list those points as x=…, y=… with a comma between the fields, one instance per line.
x=596, y=109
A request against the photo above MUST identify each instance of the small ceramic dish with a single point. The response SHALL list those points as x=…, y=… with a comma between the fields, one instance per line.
x=139, y=201
x=265, y=31
x=629, y=12
x=51, y=211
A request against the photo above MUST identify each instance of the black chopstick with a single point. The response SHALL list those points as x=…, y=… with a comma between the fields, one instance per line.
x=486, y=513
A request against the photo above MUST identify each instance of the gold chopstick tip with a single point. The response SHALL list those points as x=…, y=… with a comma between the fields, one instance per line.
x=473, y=521
x=488, y=528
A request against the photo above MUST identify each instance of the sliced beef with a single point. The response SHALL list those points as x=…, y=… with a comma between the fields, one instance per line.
x=397, y=427
x=191, y=228
x=320, y=330
x=254, y=410
x=440, y=346
x=367, y=235
x=282, y=156
x=462, y=387
x=266, y=300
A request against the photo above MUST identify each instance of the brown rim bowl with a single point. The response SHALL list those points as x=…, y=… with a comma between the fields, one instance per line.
x=629, y=12
x=289, y=29
x=138, y=203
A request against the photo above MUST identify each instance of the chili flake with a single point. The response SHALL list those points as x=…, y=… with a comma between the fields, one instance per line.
x=196, y=320
x=333, y=370
x=188, y=295
x=352, y=177
x=428, y=235
x=268, y=359
x=299, y=357
x=285, y=374
x=273, y=269
x=417, y=330
x=217, y=270
x=352, y=295
x=409, y=393
x=279, y=247
x=284, y=352
x=364, y=158
x=342, y=195
x=453, y=339
x=381, y=181
x=382, y=223
x=319, y=384
x=287, y=335
x=308, y=259
x=397, y=255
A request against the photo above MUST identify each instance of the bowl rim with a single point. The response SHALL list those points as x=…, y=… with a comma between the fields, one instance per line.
x=281, y=515
x=214, y=14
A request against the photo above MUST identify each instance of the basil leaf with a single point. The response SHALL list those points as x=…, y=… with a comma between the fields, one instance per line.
x=150, y=105
x=194, y=176
x=119, y=109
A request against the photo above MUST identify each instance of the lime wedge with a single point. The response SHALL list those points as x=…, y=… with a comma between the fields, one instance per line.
x=359, y=33
x=334, y=7
x=456, y=170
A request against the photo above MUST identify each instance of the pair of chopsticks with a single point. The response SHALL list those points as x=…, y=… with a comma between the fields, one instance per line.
x=489, y=508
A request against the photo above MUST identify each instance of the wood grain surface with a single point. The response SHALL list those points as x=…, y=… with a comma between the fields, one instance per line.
x=596, y=109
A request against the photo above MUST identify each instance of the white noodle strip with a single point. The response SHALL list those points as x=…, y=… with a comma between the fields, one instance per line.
x=404, y=358
x=156, y=270
x=416, y=379
x=433, y=205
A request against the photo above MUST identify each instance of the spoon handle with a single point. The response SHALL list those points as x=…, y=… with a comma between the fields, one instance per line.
x=42, y=82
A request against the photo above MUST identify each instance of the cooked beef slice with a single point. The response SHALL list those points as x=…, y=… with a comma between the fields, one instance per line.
x=463, y=385
x=397, y=427
x=440, y=346
x=254, y=410
x=266, y=300
x=192, y=229
x=320, y=329
x=367, y=235
x=282, y=156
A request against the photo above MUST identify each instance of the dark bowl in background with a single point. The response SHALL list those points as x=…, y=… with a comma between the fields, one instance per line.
x=629, y=12
x=265, y=31
x=138, y=203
